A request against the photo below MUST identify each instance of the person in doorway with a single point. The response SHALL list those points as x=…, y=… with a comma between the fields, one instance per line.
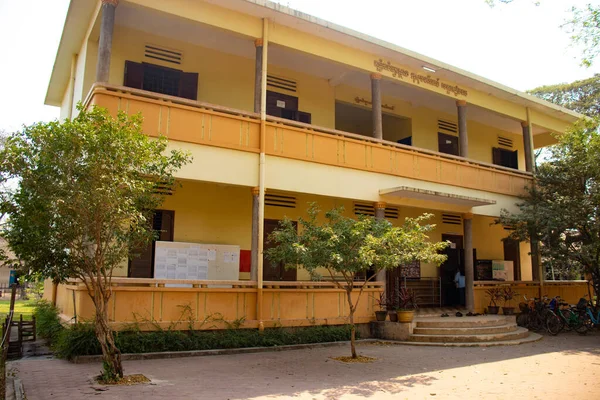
x=459, y=280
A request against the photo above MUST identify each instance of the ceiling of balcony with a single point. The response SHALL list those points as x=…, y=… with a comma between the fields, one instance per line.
x=160, y=24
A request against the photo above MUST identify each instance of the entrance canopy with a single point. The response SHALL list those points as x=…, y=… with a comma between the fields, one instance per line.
x=448, y=198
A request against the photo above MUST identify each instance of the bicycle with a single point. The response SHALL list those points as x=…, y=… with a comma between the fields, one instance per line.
x=569, y=318
x=588, y=319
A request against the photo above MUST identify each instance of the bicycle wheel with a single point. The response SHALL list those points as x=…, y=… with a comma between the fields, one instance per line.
x=565, y=318
x=553, y=323
x=584, y=324
x=523, y=320
x=535, y=322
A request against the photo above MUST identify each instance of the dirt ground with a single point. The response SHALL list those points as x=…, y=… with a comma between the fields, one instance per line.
x=562, y=367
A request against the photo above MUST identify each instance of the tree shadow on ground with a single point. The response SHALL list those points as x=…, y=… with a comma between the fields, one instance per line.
x=303, y=372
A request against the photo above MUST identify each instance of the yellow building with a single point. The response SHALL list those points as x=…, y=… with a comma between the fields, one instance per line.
x=279, y=109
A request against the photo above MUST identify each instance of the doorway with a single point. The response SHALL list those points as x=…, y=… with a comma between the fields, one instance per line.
x=275, y=271
x=512, y=252
x=454, y=252
x=163, y=223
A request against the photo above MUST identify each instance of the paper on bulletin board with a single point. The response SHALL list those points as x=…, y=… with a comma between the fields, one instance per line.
x=502, y=270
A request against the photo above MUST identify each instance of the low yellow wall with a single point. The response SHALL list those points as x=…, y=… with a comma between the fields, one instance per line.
x=218, y=308
x=569, y=291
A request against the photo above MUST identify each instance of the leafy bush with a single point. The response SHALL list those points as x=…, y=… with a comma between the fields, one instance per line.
x=80, y=339
x=47, y=321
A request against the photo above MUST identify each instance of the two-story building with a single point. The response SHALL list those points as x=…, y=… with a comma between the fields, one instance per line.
x=278, y=109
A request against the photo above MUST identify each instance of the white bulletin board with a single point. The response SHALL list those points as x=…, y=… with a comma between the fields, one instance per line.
x=196, y=261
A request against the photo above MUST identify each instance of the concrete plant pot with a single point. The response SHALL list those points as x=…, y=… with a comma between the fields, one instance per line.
x=381, y=315
x=405, y=315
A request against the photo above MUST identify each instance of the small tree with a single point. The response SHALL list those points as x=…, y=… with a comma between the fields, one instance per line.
x=347, y=247
x=86, y=190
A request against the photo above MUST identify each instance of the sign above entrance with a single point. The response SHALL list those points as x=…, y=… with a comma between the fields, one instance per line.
x=359, y=100
x=401, y=73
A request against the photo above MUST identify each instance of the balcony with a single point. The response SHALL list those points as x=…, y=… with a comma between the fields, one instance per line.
x=212, y=125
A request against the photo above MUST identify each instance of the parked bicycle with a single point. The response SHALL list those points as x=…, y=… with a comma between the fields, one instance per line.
x=568, y=315
x=589, y=315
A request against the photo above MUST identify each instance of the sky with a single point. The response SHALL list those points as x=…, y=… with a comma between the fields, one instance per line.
x=520, y=45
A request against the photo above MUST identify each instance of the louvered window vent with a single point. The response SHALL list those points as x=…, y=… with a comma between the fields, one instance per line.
x=160, y=53
x=369, y=210
x=508, y=227
x=280, y=200
x=364, y=209
x=163, y=188
x=282, y=83
x=451, y=219
x=447, y=127
x=392, y=212
x=505, y=142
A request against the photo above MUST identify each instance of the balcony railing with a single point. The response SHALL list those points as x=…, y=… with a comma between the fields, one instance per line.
x=202, y=304
x=208, y=124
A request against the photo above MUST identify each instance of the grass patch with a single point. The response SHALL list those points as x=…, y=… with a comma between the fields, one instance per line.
x=22, y=307
x=127, y=380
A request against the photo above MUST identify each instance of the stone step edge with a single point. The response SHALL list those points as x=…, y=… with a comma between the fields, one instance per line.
x=533, y=337
x=461, y=324
x=516, y=332
x=467, y=330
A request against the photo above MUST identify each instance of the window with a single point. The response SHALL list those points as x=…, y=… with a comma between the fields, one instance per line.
x=505, y=158
x=158, y=79
x=285, y=106
x=447, y=144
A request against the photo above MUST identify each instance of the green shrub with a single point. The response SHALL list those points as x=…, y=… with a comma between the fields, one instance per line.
x=47, y=321
x=80, y=339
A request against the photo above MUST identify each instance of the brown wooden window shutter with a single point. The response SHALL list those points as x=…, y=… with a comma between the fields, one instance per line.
x=188, y=87
x=134, y=75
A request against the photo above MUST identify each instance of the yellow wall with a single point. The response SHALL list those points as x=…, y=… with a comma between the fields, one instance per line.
x=228, y=80
x=223, y=79
x=222, y=214
x=425, y=130
x=213, y=214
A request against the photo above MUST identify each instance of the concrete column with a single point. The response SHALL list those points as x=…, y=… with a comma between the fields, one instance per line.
x=258, y=43
x=254, y=248
x=463, y=138
x=106, y=36
x=469, y=267
x=528, y=148
x=376, y=106
x=380, y=214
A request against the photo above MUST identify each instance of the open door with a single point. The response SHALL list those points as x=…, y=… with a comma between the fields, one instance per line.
x=143, y=266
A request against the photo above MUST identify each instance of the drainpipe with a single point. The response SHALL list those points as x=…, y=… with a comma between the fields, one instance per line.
x=261, y=175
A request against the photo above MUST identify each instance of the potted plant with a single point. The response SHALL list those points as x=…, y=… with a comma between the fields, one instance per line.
x=508, y=293
x=407, y=305
x=495, y=294
x=382, y=313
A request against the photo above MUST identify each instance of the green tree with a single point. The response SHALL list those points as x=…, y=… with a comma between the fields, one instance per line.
x=581, y=96
x=562, y=211
x=348, y=248
x=86, y=191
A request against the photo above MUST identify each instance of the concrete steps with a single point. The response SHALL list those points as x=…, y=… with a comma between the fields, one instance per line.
x=469, y=331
